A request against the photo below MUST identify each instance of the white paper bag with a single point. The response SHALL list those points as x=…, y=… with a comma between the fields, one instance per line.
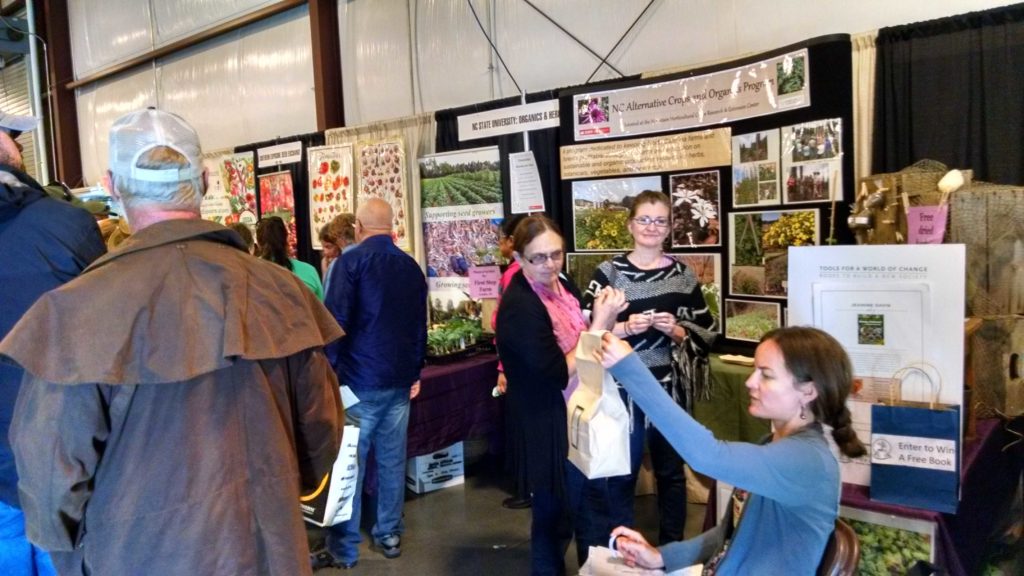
x=331, y=502
x=597, y=417
x=602, y=561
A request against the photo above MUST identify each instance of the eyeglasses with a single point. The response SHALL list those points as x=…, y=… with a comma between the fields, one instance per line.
x=541, y=258
x=647, y=221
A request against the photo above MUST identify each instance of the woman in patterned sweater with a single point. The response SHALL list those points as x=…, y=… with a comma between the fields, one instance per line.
x=666, y=310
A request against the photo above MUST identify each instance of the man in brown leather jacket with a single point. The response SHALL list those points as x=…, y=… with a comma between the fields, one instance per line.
x=176, y=397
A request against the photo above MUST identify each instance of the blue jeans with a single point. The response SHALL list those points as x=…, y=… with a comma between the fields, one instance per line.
x=668, y=474
x=18, y=557
x=383, y=420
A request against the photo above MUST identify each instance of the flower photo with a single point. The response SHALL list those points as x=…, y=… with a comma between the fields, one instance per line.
x=758, y=249
x=695, y=200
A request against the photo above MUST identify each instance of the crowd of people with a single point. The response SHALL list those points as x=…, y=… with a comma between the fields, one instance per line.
x=227, y=380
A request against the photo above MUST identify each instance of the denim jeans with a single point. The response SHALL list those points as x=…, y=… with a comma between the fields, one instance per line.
x=382, y=416
x=18, y=557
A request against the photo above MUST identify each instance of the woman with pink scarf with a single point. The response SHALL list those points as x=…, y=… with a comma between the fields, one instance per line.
x=539, y=323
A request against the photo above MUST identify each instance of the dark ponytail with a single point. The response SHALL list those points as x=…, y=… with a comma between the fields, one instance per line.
x=814, y=356
x=272, y=241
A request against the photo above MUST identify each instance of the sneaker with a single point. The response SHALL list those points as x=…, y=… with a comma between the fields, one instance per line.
x=324, y=559
x=391, y=546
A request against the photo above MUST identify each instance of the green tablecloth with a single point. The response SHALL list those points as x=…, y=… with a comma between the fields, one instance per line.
x=725, y=413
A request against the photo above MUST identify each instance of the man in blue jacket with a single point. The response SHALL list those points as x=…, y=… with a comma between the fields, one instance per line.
x=43, y=244
x=379, y=296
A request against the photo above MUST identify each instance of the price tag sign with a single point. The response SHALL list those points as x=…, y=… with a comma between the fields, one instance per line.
x=483, y=282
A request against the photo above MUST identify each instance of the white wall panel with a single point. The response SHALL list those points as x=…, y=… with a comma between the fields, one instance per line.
x=277, y=79
x=175, y=19
x=252, y=85
x=761, y=25
x=104, y=32
x=447, y=38
x=375, y=60
x=102, y=103
x=542, y=56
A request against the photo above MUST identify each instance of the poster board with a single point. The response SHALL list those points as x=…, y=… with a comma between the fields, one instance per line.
x=330, y=187
x=889, y=306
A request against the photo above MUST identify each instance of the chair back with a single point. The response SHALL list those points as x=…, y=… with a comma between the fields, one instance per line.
x=842, y=552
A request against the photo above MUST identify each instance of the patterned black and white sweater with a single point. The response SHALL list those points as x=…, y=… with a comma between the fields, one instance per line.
x=673, y=288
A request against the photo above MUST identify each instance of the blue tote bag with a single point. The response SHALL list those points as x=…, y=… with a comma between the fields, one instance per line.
x=915, y=449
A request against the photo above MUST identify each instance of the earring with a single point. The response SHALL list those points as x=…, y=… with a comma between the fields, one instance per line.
x=803, y=415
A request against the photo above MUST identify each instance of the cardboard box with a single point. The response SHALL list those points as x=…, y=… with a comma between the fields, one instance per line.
x=434, y=471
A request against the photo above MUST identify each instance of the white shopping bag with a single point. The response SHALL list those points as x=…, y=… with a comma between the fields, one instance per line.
x=331, y=501
x=598, y=419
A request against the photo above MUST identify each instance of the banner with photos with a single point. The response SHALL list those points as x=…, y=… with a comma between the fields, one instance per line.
x=773, y=85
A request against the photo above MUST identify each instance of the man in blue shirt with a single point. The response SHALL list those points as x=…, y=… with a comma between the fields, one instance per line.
x=379, y=296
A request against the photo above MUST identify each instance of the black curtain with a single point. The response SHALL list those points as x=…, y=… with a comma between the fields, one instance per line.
x=300, y=184
x=952, y=90
x=544, y=144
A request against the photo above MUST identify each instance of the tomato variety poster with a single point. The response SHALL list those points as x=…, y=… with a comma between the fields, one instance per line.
x=382, y=175
x=330, y=187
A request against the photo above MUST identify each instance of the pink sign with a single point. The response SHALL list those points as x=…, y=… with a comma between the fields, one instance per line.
x=483, y=282
x=926, y=224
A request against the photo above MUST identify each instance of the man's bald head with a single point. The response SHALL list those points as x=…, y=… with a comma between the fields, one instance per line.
x=375, y=216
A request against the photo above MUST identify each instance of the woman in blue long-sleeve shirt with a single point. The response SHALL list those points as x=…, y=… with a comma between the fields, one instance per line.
x=801, y=379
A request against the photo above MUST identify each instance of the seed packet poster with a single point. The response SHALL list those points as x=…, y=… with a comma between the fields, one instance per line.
x=330, y=187
x=216, y=206
x=237, y=177
x=382, y=172
x=277, y=198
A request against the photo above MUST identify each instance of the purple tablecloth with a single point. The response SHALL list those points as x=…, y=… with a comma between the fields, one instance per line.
x=454, y=404
x=988, y=484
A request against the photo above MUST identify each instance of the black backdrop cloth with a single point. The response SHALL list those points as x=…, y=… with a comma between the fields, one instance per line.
x=544, y=144
x=952, y=90
x=300, y=184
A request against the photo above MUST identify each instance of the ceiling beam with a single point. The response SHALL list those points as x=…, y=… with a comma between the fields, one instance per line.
x=330, y=101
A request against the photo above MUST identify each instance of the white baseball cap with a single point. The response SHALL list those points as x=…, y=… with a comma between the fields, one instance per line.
x=134, y=134
x=13, y=123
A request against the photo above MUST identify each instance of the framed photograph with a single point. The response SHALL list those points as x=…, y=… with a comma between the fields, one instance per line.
x=463, y=178
x=758, y=249
x=812, y=168
x=708, y=268
x=755, y=169
x=581, y=266
x=748, y=320
x=453, y=246
x=696, y=200
x=600, y=209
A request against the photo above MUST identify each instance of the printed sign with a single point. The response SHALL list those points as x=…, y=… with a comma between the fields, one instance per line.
x=509, y=120
x=773, y=85
x=483, y=281
x=289, y=153
x=686, y=151
x=930, y=453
